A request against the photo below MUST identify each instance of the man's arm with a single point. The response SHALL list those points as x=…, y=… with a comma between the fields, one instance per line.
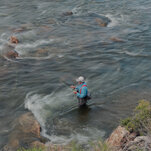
x=72, y=86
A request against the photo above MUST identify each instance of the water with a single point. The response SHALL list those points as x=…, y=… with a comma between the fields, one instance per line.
x=55, y=49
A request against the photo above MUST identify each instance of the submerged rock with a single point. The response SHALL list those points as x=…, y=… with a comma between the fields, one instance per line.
x=115, y=39
x=42, y=52
x=26, y=133
x=8, y=50
x=101, y=22
x=69, y=13
x=21, y=29
x=12, y=54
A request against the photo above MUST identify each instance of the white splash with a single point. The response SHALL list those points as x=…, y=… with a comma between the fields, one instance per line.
x=34, y=44
x=48, y=106
x=114, y=20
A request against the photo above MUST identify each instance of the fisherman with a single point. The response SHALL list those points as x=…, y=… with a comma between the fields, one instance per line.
x=81, y=91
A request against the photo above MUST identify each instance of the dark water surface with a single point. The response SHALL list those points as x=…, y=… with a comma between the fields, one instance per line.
x=55, y=49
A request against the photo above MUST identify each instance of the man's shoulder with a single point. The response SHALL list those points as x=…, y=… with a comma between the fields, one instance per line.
x=84, y=84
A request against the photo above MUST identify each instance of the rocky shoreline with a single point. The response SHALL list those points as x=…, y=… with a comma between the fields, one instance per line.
x=26, y=133
x=122, y=140
x=27, y=130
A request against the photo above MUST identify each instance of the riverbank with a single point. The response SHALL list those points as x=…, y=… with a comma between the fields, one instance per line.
x=133, y=134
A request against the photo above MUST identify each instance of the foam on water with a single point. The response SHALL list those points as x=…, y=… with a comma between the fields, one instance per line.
x=3, y=36
x=77, y=11
x=134, y=54
x=117, y=19
x=50, y=106
x=88, y=134
x=47, y=106
x=33, y=45
x=36, y=58
x=114, y=20
x=35, y=103
x=54, y=102
x=24, y=49
x=1, y=47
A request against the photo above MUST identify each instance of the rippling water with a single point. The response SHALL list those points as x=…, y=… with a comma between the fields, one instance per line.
x=54, y=49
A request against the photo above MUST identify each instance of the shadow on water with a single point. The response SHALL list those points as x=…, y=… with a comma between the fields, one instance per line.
x=83, y=114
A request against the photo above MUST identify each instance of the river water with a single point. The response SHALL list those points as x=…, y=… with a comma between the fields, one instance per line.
x=55, y=48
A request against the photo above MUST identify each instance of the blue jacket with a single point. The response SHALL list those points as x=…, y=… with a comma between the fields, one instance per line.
x=84, y=90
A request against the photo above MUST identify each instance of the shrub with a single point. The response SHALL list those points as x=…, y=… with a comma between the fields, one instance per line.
x=33, y=149
x=100, y=146
x=97, y=146
x=140, y=122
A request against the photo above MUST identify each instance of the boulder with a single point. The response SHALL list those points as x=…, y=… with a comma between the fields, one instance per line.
x=118, y=137
x=101, y=22
x=26, y=133
x=123, y=140
x=140, y=142
x=11, y=54
x=69, y=13
x=28, y=125
x=12, y=146
x=14, y=40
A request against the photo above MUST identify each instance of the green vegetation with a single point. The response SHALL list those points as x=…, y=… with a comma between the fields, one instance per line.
x=100, y=146
x=33, y=149
x=97, y=146
x=140, y=122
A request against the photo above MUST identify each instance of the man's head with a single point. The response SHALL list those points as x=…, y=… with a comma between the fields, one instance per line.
x=80, y=80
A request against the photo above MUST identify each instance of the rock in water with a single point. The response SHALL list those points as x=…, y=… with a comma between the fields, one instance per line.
x=101, y=22
x=21, y=29
x=8, y=50
x=12, y=54
x=26, y=133
x=69, y=13
x=14, y=40
x=42, y=52
x=27, y=124
x=115, y=39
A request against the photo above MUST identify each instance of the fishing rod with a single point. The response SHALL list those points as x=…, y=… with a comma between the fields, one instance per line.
x=68, y=86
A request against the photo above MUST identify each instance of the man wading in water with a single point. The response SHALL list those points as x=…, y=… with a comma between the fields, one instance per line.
x=81, y=91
